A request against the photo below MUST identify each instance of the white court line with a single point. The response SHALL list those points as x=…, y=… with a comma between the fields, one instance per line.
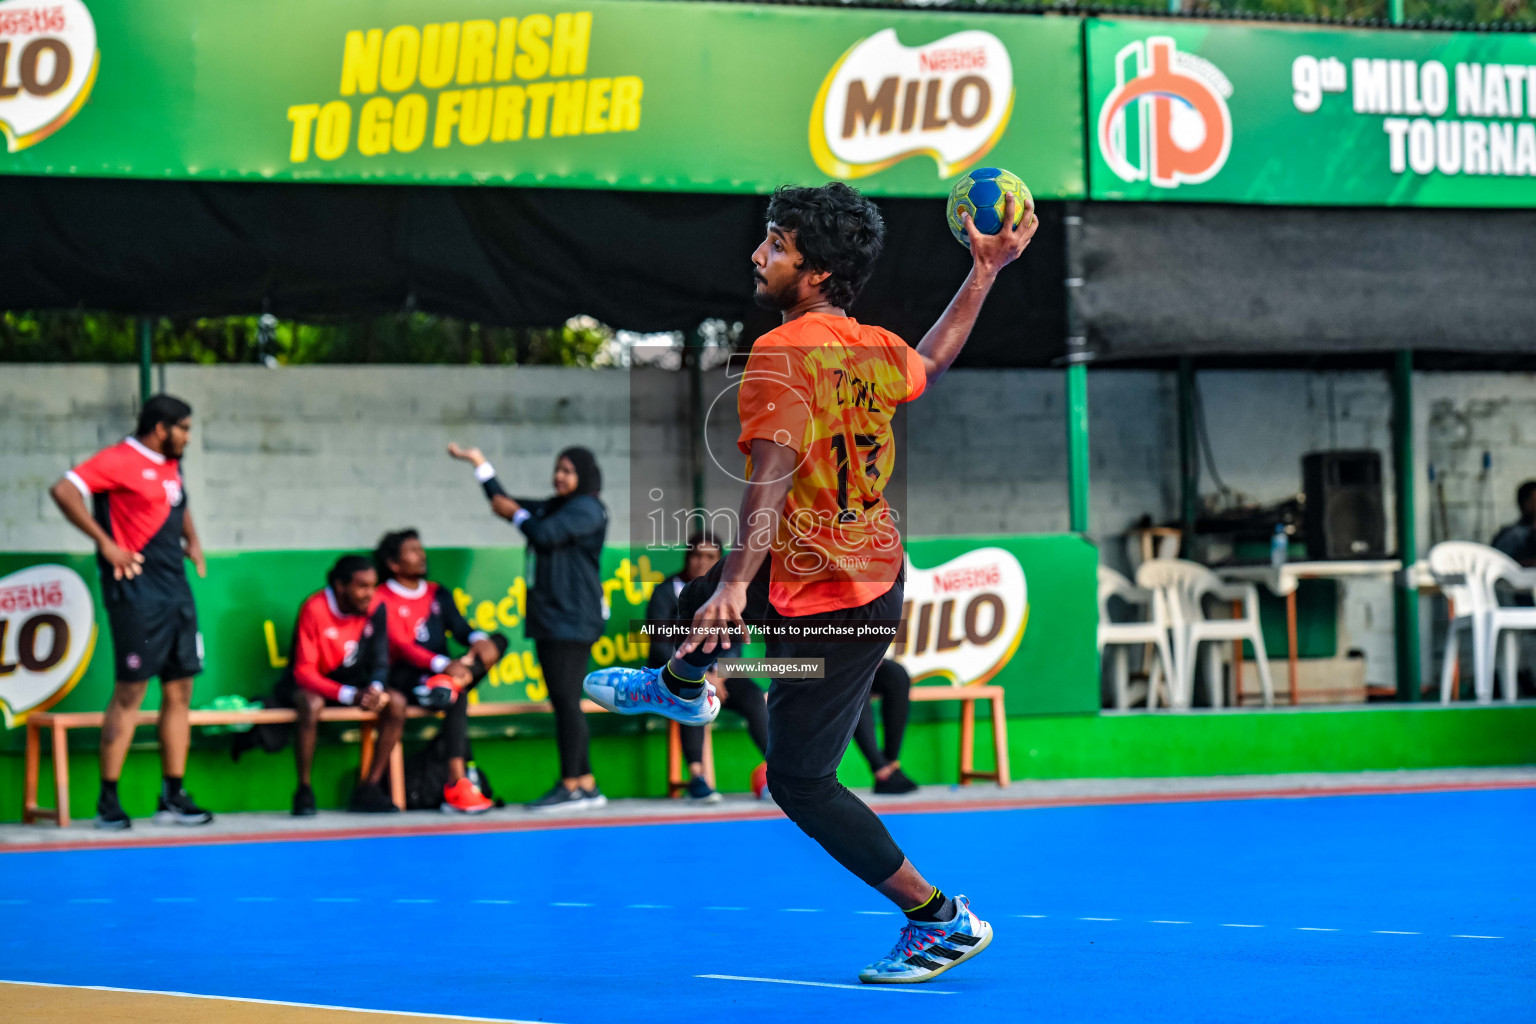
x=498, y=902
x=915, y=990
x=1317, y=929
x=881, y=913
x=570, y=904
x=1242, y=926
x=725, y=908
x=1098, y=919
x=1167, y=922
x=1396, y=933
x=267, y=1002
x=1477, y=936
x=647, y=906
x=799, y=910
x=415, y=901
x=1035, y=916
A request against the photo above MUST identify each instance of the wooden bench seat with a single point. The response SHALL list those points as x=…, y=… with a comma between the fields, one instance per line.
x=58, y=725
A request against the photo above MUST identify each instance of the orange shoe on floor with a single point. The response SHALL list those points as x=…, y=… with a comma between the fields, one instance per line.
x=463, y=797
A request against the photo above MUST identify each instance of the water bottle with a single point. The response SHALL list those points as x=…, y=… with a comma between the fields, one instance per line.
x=1279, y=546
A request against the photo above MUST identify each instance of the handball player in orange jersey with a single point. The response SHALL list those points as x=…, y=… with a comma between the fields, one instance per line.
x=818, y=551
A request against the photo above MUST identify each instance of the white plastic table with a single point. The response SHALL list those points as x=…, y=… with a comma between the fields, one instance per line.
x=1282, y=582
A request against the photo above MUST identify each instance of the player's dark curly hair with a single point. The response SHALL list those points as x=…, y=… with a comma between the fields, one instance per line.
x=345, y=568
x=388, y=551
x=836, y=229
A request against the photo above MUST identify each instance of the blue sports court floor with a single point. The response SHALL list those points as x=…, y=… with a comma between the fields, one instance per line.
x=1394, y=908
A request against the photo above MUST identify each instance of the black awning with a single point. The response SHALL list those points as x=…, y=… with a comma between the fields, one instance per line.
x=645, y=261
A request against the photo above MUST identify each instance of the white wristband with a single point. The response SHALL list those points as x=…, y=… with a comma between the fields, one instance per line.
x=520, y=517
x=484, y=472
x=478, y=635
x=346, y=694
x=440, y=663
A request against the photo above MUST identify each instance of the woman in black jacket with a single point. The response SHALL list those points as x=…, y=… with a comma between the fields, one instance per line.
x=565, y=601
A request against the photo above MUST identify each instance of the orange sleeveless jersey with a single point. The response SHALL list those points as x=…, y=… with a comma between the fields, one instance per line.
x=827, y=386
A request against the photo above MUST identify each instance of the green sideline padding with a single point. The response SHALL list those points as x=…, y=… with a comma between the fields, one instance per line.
x=1016, y=611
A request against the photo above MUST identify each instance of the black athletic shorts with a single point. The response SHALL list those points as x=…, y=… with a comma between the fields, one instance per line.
x=810, y=721
x=155, y=639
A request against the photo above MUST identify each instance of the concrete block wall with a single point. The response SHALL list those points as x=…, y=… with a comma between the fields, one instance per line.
x=333, y=456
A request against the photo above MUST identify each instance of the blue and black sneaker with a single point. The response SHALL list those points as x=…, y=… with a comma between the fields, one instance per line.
x=641, y=691
x=701, y=792
x=927, y=949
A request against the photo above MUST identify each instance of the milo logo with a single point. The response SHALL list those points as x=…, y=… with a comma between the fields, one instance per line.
x=48, y=62
x=883, y=102
x=963, y=619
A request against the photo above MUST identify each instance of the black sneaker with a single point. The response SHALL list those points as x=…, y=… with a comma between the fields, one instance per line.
x=179, y=808
x=897, y=784
x=369, y=798
x=110, y=814
x=701, y=792
x=304, y=802
x=561, y=799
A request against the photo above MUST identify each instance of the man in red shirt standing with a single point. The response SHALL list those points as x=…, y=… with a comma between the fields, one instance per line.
x=129, y=500
x=340, y=655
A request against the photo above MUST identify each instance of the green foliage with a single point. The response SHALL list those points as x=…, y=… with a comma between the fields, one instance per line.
x=82, y=337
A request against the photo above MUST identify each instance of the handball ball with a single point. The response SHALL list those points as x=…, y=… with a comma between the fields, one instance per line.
x=759, y=780
x=982, y=194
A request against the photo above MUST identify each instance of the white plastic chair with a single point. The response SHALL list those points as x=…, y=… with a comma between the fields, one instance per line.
x=1124, y=635
x=1182, y=587
x=1467, y=574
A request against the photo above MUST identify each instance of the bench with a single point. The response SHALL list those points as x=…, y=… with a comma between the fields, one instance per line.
x=677, y=779
x=58, y=724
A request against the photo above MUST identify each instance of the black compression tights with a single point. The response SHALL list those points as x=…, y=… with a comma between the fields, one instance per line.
x=842, y=823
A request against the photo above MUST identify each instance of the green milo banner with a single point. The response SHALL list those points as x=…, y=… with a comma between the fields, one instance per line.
x=1188, y=110
x=609, y=93
x=1015, y=611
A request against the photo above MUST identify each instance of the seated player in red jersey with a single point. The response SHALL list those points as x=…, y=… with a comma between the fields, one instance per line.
x=422, y=616
x=340, y=655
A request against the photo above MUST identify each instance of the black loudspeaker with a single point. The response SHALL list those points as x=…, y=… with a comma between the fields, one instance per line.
x=1345, y=514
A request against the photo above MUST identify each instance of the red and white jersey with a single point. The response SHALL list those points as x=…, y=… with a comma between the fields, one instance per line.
x=421, y=619
x=137, y=497
x=332, y=649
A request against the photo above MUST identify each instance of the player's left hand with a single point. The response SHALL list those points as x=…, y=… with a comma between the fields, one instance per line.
x=486, y=652
x=717, y=619
x=460, y=674
x=195, y=555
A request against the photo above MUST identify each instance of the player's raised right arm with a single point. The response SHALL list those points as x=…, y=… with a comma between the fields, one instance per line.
x=990, y=254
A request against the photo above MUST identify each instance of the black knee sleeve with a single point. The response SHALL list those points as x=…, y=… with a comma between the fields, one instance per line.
x=842, y=823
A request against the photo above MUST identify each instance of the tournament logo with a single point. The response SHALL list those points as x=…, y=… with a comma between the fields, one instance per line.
x=47, y=634
x=965, y=618
x=883, y=102
x=1166, y=121
x=48, y=62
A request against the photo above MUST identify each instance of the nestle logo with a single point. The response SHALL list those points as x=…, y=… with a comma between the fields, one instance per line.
x=953, y=60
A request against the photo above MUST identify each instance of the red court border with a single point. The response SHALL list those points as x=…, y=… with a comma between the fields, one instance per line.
x=482, y=826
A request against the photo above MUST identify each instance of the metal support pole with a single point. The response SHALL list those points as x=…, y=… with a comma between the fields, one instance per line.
x=1077, y=359
x=1405, y=596
x=1189, y=462
x=693, y=354
x=1395, y=11
x=146, y=359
